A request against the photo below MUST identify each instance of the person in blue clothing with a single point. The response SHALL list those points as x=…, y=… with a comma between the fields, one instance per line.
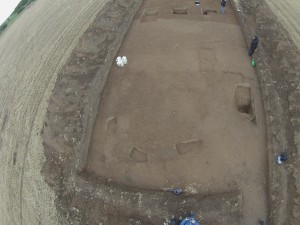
x=223, y=4
x=253, y=45
x=189, y=221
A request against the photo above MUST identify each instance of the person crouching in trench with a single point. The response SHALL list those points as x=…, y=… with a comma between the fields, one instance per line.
x=253, y=46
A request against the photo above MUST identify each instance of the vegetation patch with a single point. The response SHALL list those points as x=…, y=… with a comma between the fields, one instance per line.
x=20, y=7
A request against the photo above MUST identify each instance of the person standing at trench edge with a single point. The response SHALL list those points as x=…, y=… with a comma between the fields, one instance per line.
x=253, y=45
x=223, y=4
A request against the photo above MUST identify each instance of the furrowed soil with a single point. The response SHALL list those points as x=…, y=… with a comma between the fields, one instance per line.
x=33, y=50
x=288, y=14
x=85, y=142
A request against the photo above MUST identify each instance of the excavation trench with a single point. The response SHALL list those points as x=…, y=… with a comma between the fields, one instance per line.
x=185, y=111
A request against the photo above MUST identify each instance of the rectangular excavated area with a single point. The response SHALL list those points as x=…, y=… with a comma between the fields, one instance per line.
x=186, y=111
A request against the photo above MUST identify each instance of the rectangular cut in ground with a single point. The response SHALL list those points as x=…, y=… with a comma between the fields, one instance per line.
x=149, y=15
x=179, y=10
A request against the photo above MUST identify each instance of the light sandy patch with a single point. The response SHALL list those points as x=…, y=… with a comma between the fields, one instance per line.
x=33, y=50
x=288, y=14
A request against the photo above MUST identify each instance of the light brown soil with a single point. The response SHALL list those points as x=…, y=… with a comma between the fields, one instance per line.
x=169, y=119
x=288, y=14
x=278, y=68
x=33, y=49
x=40, y=80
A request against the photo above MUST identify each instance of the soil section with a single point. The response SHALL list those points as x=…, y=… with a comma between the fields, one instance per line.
x=33, y=49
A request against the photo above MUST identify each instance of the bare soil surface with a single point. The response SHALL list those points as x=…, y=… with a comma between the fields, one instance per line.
x=288, y=14
x=170, y=118
x=33, y=49
x=54, y=64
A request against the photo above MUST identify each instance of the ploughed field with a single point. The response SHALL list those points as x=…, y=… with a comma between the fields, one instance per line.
x=33, y=50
